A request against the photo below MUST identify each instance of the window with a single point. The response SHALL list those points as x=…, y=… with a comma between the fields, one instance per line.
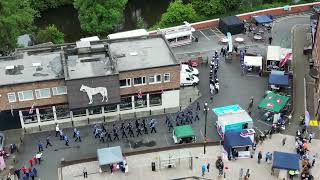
x=155, y=79
x=139, y=81
x=25, y=95
x=125, y=83
x=166, y=77
x=155, y=99
x=12, y=97
x=60, y=90
x=43, y=93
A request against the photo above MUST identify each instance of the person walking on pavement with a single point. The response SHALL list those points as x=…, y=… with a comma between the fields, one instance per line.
x=74, y=132
x=115, y=132
x=208, y=167
x=137, y=124
x=284, y=141
x=198, y=106
x=153, y=126
x=197, y=117
x=259, y=157
x=78, y=137
x=66, y=140
x=249, y=109
x=267, y=156
x=40, y=147
x=310, y=136
x=85, y=172
x=203, y=169
x=313, y=161
x=97, y=133
x=57, y=130
x=48, y=141
x=170, y=127
x=102, y=135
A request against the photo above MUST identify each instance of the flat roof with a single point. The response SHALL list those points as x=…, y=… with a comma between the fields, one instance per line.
x=31, y=68
x=137, y=54
x=88, y=65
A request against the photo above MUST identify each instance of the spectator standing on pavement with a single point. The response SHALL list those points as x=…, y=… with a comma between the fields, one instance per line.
x=249, y=109
x=203, y=169
x=57, y=130
x=208, y=167
x=267, y=156
x=85, y=173
x=259, y=157
x=198, y=106
x=310, y=137
x=78, y=137
x=35, y=172
x=40, y=147
x=17, y=173
x=48, y=141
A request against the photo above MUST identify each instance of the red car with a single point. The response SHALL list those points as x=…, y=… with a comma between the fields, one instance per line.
x=192, y=62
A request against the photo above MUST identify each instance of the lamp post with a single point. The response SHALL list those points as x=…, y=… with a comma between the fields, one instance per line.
x=205, y=127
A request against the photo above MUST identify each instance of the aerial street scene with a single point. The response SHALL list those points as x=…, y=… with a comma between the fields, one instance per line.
x=159, y=89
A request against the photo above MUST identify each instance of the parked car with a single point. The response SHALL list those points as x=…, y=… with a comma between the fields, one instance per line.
x=1, y=141
x=183, y=134
x=188, y=80
x=190, y=70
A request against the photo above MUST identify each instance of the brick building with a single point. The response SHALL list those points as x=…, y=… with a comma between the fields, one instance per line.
x=315, y=71
x=101, y=79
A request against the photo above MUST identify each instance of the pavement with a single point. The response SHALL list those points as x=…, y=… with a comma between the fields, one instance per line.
x=140, y=165
x=234, y=89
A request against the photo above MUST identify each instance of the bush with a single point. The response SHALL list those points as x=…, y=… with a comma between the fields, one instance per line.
x=50, y=34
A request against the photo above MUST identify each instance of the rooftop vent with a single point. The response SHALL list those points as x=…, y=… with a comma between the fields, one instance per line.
x=36, y=64
x=133, y=53
x=9, y=67
x=14, y=70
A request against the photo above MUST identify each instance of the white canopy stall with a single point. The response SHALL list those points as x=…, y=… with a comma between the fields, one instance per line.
x=253, y=64
x=275, y=55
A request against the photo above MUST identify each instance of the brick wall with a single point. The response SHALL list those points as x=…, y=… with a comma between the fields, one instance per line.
x=5, y=105
x=316, y=58
x=173, y=84
x=247, y=16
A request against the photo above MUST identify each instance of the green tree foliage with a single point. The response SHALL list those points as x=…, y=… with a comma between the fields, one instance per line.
x=100, y=16
x=208, y=7
x=50, y=34
x=140, y=23
x=16, y=18
x=231, y=5
x=42, y=5
x=177, y=13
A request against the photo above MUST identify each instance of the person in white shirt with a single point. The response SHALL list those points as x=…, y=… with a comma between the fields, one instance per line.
x=57, y=130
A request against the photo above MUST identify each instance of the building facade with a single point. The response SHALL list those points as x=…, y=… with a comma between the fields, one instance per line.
x=316, y=68
x=88, y=80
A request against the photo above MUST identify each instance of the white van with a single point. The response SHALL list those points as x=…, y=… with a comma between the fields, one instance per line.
x=188, y=80
x=190, y=70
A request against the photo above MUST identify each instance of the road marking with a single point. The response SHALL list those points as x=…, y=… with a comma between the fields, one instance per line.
x=166, y=139
x=204, y=35
x=201, y=134
x=263, y=122
x=258, y=129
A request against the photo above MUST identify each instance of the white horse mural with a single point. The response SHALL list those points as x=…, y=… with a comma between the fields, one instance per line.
x=93, y=91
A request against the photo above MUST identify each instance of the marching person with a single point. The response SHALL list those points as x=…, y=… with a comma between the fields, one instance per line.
x=197, y=117
x=66, y=140
x=129, y=127
x=249, y=109
x=48, y=141
x=74, y=132
x=102, y=135
x=123, y=130
x=61, y=134
x=115, y=132
x=153, y=126
x=40, y=147
x=78, y=137
x=139, y=131
x=145, y=129
x=108, y=136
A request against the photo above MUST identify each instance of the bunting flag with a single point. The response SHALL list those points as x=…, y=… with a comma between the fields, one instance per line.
x=139, y=94
x=31, y=109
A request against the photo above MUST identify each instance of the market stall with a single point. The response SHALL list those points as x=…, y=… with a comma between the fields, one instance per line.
x=278, y=58
x=273, y=102
x=181, y=134
x=262, y=20
x=232, y=24
x=232, y=119
x=235, y=141
x=111, y=156
x=253, y=65
x=284, y=162
x=278, y=79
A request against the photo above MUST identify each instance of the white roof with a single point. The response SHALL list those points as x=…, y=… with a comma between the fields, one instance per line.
x=234, y=118
x=253, y=61
x=83, y=44
x=273, y=53
x=178, y=34
x=93, y=38
x=129, y=34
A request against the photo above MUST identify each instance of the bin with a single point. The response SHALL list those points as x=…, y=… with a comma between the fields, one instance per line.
x=153, y=166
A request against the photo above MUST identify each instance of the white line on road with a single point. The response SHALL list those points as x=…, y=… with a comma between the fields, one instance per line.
x=166, y=139
x=258, y=120
x=202, y=134
x=204, y=35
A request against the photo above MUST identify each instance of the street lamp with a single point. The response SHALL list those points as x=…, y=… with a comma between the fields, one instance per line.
x=206, y=109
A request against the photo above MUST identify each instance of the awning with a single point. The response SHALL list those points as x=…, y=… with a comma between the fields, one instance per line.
x=273, y=102
x=262, y=19
x=280, y=80
x=110, y=155
x=227, y=109
x=288, y=161
x=233, y=139
x=253, y=61
x=183, y=131
x=273, y=53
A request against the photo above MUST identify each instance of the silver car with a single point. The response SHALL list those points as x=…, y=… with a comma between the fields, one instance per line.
x=1, y=141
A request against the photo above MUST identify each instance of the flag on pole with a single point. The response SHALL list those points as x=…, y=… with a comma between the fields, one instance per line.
x=139, y=94
x=31, y=109
x=11, y=110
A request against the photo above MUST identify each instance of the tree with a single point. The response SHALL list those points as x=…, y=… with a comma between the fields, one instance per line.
x=100, y=16
x=140, y=23
x=208, y=7
x=50, y=34
x=16, y=19
x=42, y=5
x=231, y=5
x=177, y=13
